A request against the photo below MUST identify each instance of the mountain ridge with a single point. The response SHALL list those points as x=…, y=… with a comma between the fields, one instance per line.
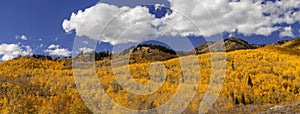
x=156, y=52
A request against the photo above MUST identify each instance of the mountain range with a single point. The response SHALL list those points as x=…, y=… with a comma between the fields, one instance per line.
x=157, y=52
x=153, y=52
x=231, y=44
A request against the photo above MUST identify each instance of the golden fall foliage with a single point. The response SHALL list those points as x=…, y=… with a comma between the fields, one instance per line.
x=262, y=78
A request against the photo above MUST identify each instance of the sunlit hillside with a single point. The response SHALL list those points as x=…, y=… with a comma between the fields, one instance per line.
x=294, y=44
x=256, y=80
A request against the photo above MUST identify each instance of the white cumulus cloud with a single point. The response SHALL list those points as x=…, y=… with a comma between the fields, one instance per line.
x=188, y=18
x=287, y=31
x=53, y=46
x=10, y=51
x=246, y=17
x=266, y=31
x=22, y=37
x=56, y=50
x=92, y=21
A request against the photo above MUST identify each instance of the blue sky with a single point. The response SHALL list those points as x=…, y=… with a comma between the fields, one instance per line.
x=40, y=21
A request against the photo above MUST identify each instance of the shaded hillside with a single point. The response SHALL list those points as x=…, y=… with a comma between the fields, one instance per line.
x=202, y=48
x=150, y=52
x=146, y=53
x=139, y=54
x=230, y=44
x=279, y=43
x=93, y=55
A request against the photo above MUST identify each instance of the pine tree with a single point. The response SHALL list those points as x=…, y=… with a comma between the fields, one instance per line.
x=243, y=99
x=236, y=101
x=250, y=82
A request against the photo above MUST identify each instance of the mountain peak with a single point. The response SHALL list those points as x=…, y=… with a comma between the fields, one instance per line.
x=230, y=44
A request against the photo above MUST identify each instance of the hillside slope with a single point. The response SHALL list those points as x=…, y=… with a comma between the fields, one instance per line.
x=293, y=44
x=230, y=44
x=255, y=81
